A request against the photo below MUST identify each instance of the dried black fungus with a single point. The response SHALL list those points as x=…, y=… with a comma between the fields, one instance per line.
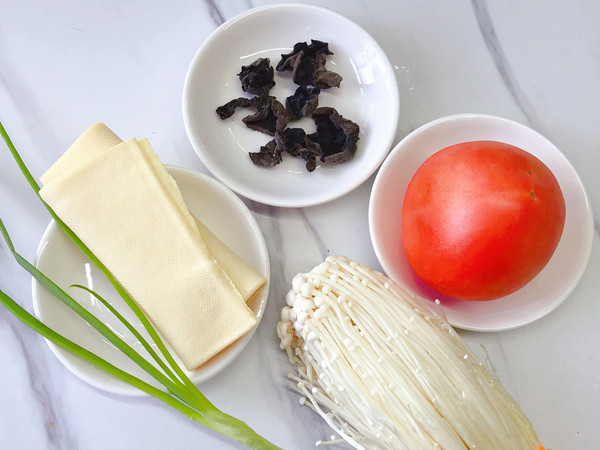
x=295, y=142
x=270, y=117
x=326, y=79
x=323, y=78
x=268, y=156
x=257, y=78
x=303, y=102
x=307, y=62
x=288, y=60
x=311, y=165
x=317, y=48
x=335, y=137
x=225, y=111
x=304, y=71
x=228, y=109
x=292, y=141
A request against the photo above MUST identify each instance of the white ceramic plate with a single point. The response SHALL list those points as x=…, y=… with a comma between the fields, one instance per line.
x=540, y=296
x=215, y=205
x=368, y=95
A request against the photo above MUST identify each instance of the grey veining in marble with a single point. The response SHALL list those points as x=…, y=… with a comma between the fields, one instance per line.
x=493, y=44
x=215, y=13
x=66, y=65
x=49, y=406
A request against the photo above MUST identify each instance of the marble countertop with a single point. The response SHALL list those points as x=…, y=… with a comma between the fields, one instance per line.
x=65, y=65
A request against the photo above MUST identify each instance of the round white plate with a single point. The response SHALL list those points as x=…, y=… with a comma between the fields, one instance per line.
x=368, y=95
x=211, y=202
x=540, y=296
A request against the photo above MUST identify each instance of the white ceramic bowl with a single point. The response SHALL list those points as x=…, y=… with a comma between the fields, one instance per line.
x=368, y=95
x=541, y=295
x=211, y=202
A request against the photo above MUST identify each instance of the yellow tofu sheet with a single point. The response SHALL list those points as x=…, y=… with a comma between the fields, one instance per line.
x=123, y=204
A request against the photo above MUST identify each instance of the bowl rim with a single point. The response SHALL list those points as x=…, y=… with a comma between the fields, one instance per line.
x=222, y=176
x=119, y=387
x=589, y=219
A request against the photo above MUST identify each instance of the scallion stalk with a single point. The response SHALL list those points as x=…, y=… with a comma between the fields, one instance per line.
x=188, y=399
x=86, y=251
x=215, y=420
x=131, y=329
x=176, y=388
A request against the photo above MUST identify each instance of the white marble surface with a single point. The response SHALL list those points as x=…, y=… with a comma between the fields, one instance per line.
x=67, y=64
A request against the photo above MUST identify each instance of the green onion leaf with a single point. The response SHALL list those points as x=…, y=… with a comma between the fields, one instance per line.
x=177, y=389
x=124, y=295
x=132, y=330
x=217, y=421
x=190, y=401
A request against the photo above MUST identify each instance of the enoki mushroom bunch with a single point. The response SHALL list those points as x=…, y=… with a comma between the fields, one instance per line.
x=385, y=372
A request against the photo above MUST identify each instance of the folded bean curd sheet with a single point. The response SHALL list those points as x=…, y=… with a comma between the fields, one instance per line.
x=123, y=204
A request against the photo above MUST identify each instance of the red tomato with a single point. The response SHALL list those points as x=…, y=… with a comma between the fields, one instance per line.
x=481, y=219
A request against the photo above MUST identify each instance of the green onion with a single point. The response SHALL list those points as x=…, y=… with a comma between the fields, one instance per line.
x=182, y=394
x=124, y=295
x=131, y=329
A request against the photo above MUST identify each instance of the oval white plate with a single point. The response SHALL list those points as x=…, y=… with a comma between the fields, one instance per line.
x=540, y=296
x=368, y=95
x=211, y=202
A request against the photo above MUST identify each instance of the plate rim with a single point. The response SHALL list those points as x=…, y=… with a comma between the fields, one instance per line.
x=119, y=387
x=286, y=203
x=589, y=221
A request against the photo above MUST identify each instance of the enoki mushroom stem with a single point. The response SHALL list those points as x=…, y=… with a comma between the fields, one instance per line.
x=386, y=372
